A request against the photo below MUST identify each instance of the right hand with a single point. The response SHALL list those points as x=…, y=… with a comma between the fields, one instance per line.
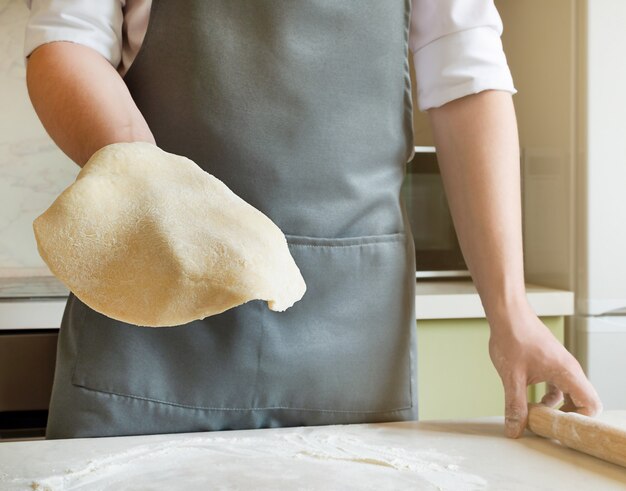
x=524, y=352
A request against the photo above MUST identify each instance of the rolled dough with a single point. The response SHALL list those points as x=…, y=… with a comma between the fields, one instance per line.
x=149, y=238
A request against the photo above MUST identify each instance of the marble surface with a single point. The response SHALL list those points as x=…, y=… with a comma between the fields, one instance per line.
x=31, y=287
x=33, y=171
x=440, y=455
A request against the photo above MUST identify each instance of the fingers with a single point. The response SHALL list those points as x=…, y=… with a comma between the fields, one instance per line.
x=553, y=395
x=580, y=395
x=515, y=407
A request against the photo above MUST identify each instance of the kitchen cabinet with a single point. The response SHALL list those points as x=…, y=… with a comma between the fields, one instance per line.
x=456, y=378
x=27, y=358
x=27, y=361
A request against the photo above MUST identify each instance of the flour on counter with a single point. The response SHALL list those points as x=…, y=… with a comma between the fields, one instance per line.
x=309, y=458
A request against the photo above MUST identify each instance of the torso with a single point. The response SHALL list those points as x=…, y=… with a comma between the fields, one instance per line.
x=313, y=127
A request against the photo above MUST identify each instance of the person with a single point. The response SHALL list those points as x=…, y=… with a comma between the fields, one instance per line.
x=304, y=110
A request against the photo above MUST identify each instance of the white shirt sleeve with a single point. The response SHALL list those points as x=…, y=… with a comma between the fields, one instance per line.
x=93, y=23
x=455, y=44
x=457, y=50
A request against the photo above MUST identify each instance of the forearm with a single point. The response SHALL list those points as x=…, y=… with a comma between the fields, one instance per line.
x=81, y=100
x=478, y=153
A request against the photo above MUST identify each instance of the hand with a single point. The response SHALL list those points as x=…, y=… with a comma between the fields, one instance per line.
x=524, y=351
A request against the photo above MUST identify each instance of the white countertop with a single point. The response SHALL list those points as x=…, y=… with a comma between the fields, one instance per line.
x=440, y=299
x=438, y=455
x=458, y=299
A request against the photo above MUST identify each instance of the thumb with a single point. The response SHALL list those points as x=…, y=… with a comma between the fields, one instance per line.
x=515, y=408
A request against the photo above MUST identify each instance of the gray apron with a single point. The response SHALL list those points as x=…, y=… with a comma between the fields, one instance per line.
x=303, y=108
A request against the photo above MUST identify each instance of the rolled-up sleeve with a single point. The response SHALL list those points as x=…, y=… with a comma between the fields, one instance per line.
x=93, y=23
x=457, y=50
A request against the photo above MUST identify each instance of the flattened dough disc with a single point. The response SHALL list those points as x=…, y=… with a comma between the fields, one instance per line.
x=149, y=238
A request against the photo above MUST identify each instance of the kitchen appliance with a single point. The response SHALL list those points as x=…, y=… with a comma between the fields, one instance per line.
x=601, y=208
x=600, y=319
x=27, y=358
x=31, y=307
x=437, y=250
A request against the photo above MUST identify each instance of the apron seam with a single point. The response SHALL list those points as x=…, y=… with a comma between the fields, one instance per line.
x=79, y=339
x=345, y=242
x=267, y=408
x=255, y=390
x=325, y=246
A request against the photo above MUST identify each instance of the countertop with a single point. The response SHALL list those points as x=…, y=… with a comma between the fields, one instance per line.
x=37, y=302
x=444, y=455
x=458, y=299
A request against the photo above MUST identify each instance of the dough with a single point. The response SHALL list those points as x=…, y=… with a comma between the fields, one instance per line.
x=149, y=238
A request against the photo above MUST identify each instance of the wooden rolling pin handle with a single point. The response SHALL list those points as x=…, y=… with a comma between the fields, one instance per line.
x=579, y=432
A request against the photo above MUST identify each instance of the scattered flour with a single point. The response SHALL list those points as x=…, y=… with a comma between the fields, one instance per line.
x=311, y=459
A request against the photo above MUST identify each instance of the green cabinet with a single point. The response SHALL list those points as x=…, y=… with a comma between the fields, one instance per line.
x=456, y=378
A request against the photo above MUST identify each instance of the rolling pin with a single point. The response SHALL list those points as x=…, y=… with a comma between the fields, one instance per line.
x=579, y=432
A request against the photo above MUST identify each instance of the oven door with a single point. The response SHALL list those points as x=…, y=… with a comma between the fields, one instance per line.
x=27, y=359
x=437, y=250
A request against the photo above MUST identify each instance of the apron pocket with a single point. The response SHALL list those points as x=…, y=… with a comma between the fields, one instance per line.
x=206, y=364
x=345, y=347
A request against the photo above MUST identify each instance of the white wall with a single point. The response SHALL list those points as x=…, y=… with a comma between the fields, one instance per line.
x=32, y=170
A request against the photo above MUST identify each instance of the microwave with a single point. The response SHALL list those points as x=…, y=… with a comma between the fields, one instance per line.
x=437, y=250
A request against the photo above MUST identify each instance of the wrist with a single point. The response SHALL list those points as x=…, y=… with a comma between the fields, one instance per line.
x=505, y=307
